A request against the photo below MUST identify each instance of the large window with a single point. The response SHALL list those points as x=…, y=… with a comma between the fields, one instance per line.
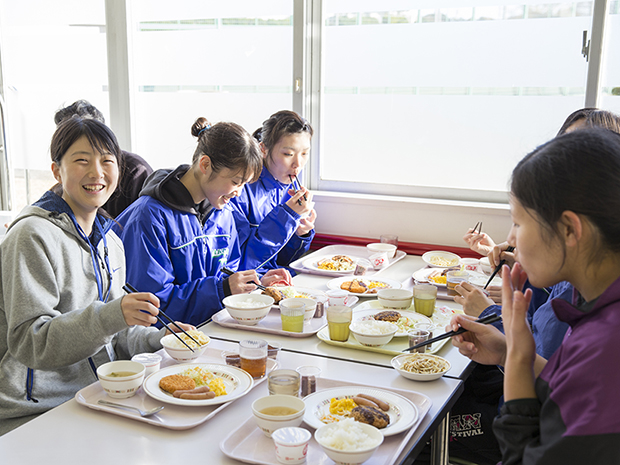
x=441, y=99
x=226, y=61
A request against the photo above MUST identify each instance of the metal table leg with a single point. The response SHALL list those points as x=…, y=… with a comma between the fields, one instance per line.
x=439, y=443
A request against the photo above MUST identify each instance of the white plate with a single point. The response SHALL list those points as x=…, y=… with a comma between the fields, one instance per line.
x=442, y=254
x=403, y=413
x=304, y=291
x=421, y=276
x=336, y=282
x=480, y=279
x=366, y=309
x=312, y=264
x=237, y=381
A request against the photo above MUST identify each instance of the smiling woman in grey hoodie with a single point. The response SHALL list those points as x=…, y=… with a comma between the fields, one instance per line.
x=62, y=309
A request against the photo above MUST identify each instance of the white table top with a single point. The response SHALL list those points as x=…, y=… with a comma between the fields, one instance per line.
x=72, y=433
x=400, y=271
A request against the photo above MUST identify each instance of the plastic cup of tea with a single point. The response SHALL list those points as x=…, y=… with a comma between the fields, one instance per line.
x=361, y=267
x=284, y=381
x=338, y=321
x=308, y=374
x=337, y=296
x=253, y=356
x=424, y=298
x=424, y=326
x=389, y=239
x=415, y=337
x=292, y=314
x=453, y=278
x=321, y=305
x=273, y=349
x=291, y=444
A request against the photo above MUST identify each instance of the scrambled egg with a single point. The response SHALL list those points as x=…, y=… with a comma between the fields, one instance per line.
x=218, y=386
x=341, y=407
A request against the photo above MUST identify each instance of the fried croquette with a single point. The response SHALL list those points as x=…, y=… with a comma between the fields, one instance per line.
x=173, y=383
x=387, y=315
x=275, y=293
x=355, y=286
x=370, y=416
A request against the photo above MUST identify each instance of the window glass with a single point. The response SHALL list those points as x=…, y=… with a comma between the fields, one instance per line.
x=226, y=61
x=448, y=95
x=609, y=97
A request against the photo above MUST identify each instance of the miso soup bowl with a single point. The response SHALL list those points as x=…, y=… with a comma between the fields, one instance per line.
x=121, y=387
x=269, y=423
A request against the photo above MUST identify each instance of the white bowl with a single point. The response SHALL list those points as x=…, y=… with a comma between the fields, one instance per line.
x=453, y=258
x=181, y=354
x=310, y=305
x=121, y=387
x=269, y=423
x=395, y=298
x=360, y=455
x=362, y=331
x=485, y=265
x=399, y=361
x=377, y=247
x=248, y=316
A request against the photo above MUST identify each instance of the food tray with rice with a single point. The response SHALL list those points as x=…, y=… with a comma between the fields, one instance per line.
x=429, y=275
x=440, y=318
x=271, y=324
x=176, y=417
x=248, y=443
x=310, y=263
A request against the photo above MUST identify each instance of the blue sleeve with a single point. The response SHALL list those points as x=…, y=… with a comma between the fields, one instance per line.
x=548, y=331
x=295, y=248
x=150, y=268
x=497, y=309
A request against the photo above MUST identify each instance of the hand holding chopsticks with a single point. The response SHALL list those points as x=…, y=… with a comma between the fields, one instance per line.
x=492, y=318
x=298, y=187
x=230, y=273
x=129, y=289
x=498, y=267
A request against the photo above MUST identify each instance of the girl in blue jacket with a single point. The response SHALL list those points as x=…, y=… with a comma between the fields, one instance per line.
x=180, y=232
x=274, y=214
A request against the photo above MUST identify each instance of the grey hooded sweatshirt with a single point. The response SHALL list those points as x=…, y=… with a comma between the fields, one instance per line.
x=55, y=330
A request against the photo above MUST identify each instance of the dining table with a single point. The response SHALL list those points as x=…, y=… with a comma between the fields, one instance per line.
x=78, y=431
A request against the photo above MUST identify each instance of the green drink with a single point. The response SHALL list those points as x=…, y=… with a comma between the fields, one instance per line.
x=424, y=305
x=294, y=324
x=338, y=331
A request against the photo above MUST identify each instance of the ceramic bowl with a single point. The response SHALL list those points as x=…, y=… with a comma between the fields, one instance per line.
x=378, y=247
x=485, y=265
x=178, y=351
x=449, y=259
x=373, y=333
x=310, y=305
x=269, y=423
x=395, y=298
x=359, y=455
x=248, y=309
x=399, y=361
x=121, y=378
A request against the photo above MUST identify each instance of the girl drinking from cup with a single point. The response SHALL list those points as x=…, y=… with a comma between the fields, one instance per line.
x=180, y=232
x=563, y=198
x=274, y=214
x=62, y=309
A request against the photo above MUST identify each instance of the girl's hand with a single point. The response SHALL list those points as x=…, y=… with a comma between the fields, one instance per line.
x=521, y=348
x=185, y=326
x=499, y=253
x=297, y=196
x=306, y=224
x=484, y=344
x=242, y=282
x=280, y=276
x=140, y=308
x=479, y=242
x=473, y=299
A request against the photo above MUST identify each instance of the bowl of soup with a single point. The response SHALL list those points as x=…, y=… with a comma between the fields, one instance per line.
x=121, y=378
x=278, y=411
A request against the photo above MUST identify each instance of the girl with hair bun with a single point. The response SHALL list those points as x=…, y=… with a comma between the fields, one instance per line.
x=63, y=312
x=180, y=232
x=274, y=216
x=563, y=205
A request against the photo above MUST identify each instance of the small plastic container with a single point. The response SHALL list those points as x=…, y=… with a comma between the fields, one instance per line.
x=151, y=362
x=291, y=444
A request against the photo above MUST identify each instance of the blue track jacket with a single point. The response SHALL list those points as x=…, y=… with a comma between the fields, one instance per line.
x=266, y=226
x=175, y=249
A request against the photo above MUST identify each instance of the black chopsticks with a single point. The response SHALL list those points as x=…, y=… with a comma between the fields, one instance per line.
x=129, y=289
x=478, y=227
x=230, y=272
x=492, y=318
x=498, y=267
x=298, y=187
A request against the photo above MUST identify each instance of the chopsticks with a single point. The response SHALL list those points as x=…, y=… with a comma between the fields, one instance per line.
x=298, y=187
x=492, y=318
x=478, y=227
x=230, y=272
x=129, y=289
x=498, y=267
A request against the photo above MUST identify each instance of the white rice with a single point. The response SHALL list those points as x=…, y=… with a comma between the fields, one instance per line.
x=373, y=327
x=249, y=303
x=347, y=435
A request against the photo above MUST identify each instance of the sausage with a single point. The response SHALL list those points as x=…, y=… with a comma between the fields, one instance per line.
x=365, y=402
x=198, y=390
x=382, y=405
x=198, y=396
